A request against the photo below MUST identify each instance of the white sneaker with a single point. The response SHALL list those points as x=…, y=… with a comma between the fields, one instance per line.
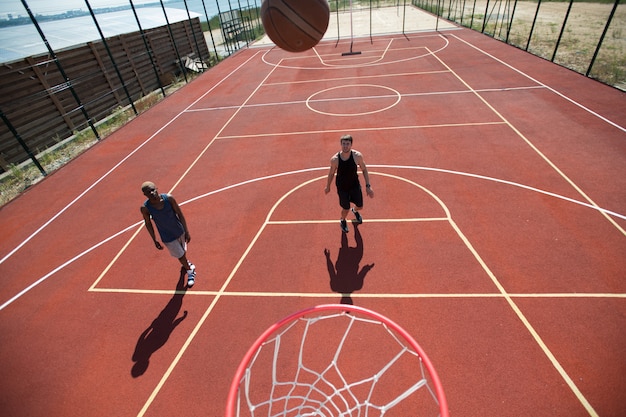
x=191, y=276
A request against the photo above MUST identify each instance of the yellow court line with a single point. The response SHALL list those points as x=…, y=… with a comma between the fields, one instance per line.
x=365, y=129
x=208, y=311
x=582, y=399
x=123, y=249
x=528, y=142
x=365, y=77
x=115, y=258
x=222, y=292
x=368, y=220
x=501, y=294
x=269, y=294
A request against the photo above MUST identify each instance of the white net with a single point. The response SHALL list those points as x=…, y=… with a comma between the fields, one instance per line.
x=336, y=364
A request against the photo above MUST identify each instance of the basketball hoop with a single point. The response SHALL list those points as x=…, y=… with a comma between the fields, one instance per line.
x=335, y=360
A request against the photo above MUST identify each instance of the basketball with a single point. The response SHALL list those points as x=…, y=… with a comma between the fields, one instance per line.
x=295, y=25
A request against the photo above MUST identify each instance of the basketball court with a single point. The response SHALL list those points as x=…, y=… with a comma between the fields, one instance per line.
x=496, y=236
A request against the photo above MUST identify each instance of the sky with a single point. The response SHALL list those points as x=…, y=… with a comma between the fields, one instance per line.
x=60, y=6
x=16, y=7
x=17, y=42
x=44, y=7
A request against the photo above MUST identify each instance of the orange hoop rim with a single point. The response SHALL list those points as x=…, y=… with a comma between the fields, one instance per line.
x=234, y=386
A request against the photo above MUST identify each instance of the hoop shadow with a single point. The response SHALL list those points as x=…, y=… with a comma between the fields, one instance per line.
x=345, y=277
x=159, y=331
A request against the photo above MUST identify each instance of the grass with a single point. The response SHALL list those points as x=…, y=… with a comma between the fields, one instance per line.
x=20, y=177
x=580, y=38
x=577, y=46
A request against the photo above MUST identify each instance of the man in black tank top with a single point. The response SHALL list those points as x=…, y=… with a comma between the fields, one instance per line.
x=345, y=163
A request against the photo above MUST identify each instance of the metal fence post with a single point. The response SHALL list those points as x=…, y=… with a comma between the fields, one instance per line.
x=68, y=82
x=606, y=28
x=22, y=143
x=106, y=46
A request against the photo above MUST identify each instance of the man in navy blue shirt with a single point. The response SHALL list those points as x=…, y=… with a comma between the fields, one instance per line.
x=171, y=224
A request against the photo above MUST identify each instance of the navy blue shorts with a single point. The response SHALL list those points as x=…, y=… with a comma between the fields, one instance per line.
x=353, y=195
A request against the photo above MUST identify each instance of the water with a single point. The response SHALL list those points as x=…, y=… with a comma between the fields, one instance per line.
x=47, y=7
x=18, y=37
x=212, y=6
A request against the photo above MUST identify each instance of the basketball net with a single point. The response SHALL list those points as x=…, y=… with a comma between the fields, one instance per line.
x=336, y=361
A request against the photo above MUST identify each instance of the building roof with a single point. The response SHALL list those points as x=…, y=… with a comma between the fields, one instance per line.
x=18, y=42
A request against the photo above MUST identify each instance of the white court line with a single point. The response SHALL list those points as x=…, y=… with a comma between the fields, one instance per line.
x=528, y=141
x=593, y=206
x=254, y=180
x=228, y=76
x=397, y=96
x=60, y=267
x=36, y=232
x=365, y=129
x=563, y=96
x=512, y=183
x=361, y=64
x=206, y=314
x=555, y=362
x=360, y=78
x=430, y=93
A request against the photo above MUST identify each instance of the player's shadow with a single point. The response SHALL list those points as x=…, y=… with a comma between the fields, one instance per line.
x=345, y=277
x=156, y=335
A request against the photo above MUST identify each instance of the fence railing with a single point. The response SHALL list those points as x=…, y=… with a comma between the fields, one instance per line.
x=55, y=97
x=75, y=94
x=587, y=37
x=48, y=98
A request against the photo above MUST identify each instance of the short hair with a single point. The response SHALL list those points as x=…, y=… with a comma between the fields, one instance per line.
x=346, y=137
x=147, y=184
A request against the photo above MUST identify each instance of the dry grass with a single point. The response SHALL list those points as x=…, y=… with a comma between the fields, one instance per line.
x=580, y=36
x=21, y=177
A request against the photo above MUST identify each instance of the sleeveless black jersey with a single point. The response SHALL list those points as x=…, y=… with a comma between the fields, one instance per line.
x=347, y=177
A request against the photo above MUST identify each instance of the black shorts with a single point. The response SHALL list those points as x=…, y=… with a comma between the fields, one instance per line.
x=353, y=195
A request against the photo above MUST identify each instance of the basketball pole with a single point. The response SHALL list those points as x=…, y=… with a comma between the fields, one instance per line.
x=351, y=35
x=338, y=35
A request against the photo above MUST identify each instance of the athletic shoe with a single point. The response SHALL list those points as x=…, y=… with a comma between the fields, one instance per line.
x=359, y=219
x=191, y=277
x=344, y=225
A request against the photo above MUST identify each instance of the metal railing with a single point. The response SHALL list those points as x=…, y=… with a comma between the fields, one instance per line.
x=587, y=37
x=82, y=86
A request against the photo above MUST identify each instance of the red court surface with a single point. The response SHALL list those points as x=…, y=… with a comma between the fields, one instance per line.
x=496, y=236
